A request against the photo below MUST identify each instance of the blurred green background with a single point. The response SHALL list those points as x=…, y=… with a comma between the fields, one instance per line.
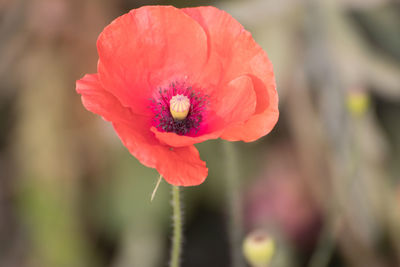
x=324, y=183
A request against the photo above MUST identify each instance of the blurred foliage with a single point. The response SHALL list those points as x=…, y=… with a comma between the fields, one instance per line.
x=324, y=184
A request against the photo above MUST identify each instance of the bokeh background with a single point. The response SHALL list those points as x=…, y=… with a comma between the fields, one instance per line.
x=324, y=184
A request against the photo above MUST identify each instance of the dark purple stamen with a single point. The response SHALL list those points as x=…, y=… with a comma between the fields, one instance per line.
x=163, y=119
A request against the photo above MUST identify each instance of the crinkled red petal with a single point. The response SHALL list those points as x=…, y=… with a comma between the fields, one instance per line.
x=262, y=121
x=179, y=166
x=243, y=56
x=101, y=102
x=149, y=48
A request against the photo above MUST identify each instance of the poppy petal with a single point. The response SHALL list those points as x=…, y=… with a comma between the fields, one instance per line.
x=221, y=29
x=148, y=48
x=175, y=140
x=101, y=102
x=243, y=57
x=179, y=166
x=234, y=102
x=262, y=122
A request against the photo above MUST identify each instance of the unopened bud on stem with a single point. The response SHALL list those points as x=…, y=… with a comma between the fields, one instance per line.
x=258, y=248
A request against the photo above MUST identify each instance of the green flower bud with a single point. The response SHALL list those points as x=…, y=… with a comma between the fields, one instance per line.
x=258, y=248
x=358, y=103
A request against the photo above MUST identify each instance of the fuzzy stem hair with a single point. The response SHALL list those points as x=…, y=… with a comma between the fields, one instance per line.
x=176, y=248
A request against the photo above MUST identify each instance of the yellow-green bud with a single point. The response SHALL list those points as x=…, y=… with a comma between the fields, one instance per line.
x=258, y=248
x=357, y=103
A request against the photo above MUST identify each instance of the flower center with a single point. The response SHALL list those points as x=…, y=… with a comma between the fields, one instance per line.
x=179, y=106
x=179, y=109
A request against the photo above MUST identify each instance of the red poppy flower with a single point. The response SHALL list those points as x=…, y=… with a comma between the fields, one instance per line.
x=169, y=78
